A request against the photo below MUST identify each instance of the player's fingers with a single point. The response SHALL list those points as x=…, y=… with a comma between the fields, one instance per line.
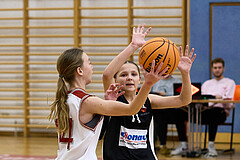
x=180, y=49
x=138, y=28
x=134, y=30
x=147, y=31
x=165, y=76
x=111, y=87
x=191, y=53
x=193, y=58
x=142, y=28
x=121, y=93
x=119, y=89
x=159, y=67
x=142, y=69
x=186, y=51
x=163, y=72
x=152, y=67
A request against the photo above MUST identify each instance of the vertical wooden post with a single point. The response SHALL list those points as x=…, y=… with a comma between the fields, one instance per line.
x=26, y=67
x=130, y=23
x=77, y=22
x=184, y=23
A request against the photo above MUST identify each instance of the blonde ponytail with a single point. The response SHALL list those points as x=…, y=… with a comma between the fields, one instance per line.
x=66, y=66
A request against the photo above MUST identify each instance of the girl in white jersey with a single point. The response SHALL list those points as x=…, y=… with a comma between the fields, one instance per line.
x=77, y=114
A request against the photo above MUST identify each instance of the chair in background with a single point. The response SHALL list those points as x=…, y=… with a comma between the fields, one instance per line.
x=231, y=124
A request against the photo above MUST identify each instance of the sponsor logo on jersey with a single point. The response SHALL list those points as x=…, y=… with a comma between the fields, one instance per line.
x=133, y=138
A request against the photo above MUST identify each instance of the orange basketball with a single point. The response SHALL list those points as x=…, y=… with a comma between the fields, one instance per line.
x=161, y=50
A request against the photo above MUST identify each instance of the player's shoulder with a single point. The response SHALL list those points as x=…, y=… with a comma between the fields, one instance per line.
x=79, y=93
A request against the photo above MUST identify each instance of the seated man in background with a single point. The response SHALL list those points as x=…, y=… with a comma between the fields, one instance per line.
x=163, y=117
x=215, y=113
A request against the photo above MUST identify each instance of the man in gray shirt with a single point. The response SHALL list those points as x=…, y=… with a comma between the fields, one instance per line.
x=163, y=117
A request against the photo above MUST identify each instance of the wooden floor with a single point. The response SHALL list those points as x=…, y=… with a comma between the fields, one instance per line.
x=47, y=146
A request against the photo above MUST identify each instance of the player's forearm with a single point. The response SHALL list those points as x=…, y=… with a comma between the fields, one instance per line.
x=119, y=60
x=140, y=99
x=186, y=92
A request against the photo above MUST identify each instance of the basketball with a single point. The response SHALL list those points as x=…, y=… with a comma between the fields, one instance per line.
x=161, y=50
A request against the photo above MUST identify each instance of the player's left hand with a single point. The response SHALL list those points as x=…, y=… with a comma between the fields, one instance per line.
x=186, y=60
x=138, y=38
x=113, y=92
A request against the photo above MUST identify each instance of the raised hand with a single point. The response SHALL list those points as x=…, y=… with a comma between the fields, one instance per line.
x=138, y=36
x=153, y=76
x=186, y=60
x=113, y=92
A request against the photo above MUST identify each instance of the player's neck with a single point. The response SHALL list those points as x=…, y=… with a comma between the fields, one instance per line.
x=129, y=96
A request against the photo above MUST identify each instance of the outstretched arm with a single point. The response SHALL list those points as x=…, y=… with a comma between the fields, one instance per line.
x=137, y=41
x=95, y=105
x=185, y=97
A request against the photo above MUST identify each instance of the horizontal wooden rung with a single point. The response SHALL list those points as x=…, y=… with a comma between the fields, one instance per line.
x=11, y=63
x=36, y=117
x=11, y=27
x=11, y=81
x=105, y=8
x=40, y=99
x=50, y=36
x=48, y=27
x=11, y=45
x=40, y=126
x=104, y=17
x=11, y=9
x=42, y=81
x=104, y=45
x=42, y=72
x=11, y=107
x=12, y=125
x=38, y=108
x=50, y=45
x=12, y=98
x=102, y=35
x=31, y=18
x=11, y=54
x=105, y=54
x=53, y=81
x=11, y=18
x=11, y=36
x=54, y=90
x=51, y=8
x=156, y=7
x=103, y=26
x=11, y=71
x=165, y=35
x=54, y=63
x=44, y=54
x=40, y=90
x=168, y=16
x=11, y=89
x=11, y=116
x=163, y=26
x=42, y=63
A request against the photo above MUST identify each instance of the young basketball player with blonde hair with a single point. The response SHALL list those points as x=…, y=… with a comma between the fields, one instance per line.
x=77, y=114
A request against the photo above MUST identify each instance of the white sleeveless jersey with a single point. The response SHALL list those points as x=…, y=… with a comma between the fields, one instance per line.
x=80, y=142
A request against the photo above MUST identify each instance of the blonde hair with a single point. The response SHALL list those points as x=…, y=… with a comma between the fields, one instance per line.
x=67, y=64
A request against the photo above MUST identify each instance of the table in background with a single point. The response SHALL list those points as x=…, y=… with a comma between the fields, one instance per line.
x=195, y=143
